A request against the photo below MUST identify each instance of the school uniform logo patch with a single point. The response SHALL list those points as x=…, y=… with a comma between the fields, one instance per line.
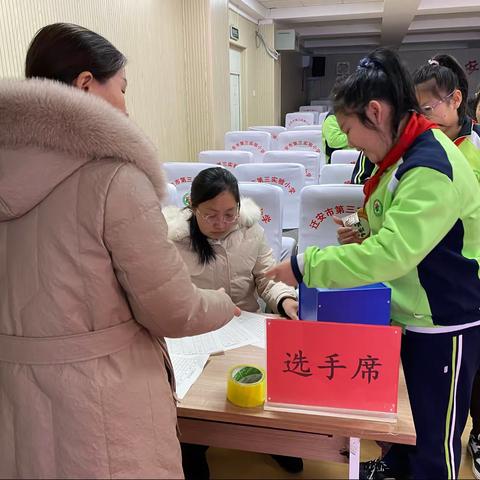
x=377, y=207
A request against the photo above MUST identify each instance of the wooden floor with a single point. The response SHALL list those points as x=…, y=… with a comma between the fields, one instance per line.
x=234, y=464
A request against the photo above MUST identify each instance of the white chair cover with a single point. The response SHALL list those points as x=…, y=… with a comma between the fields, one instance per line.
x=321, y=117
x=171, y=196
x=310, y=160
x=272, y=130
x=294, y=119
x=225, y=158
x=307, y=127
x=344, y=156
x=289, y=176
x=270, y=200
x=312, y=108
x=318, y=204
x=181, y=175
x=306, y=140
x=340, y=173
x=288, y=248
x=255, y=142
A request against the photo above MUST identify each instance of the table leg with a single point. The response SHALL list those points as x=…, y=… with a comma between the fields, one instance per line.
x=354, y=458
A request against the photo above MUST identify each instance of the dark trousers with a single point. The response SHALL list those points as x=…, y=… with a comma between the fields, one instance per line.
x=194, y=461
x=439, y=371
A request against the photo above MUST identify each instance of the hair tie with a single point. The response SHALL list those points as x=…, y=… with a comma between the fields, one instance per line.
x=434, y=62
x=366, y=63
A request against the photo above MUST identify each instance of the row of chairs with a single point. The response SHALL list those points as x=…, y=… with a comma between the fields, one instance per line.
x=318, y=204
x=315, y=171
x=289, y=177
x=264, y=139
x=260, y=140
x=304, y=118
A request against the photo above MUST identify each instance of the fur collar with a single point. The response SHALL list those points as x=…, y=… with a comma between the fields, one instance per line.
x=177, y=219
x=51, y=116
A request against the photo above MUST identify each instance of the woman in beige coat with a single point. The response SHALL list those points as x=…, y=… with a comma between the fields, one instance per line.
x=89, y=283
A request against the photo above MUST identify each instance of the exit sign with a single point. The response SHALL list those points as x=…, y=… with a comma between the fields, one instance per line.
x=234, y=33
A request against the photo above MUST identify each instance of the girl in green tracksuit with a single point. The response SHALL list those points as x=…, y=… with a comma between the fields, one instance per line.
x=442, y=92
x=423, y=207
x=333, y=138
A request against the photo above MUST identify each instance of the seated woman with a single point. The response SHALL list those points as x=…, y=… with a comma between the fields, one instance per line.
x=224, y=246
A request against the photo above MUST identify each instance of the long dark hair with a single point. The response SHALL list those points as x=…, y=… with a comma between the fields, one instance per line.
x=379, y=76
x=207, y=185
x=62, y=51
x=448, y=75
x=475, y=105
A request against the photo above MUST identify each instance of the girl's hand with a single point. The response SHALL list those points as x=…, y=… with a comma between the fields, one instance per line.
x=346, y=234
x=282, y=273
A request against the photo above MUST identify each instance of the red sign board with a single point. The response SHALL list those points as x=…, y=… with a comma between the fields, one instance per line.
x=334, y=365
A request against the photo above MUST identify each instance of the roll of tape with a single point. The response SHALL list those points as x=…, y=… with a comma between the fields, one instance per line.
x=246, y=386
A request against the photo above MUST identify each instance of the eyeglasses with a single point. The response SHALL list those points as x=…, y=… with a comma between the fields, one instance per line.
x=212, y=219
x=428, y=109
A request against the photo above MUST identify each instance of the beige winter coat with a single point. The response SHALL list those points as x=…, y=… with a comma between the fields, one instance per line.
x=242, y=258
x=87, y=276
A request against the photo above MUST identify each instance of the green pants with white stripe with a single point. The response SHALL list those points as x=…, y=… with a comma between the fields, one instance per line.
x=439, y=371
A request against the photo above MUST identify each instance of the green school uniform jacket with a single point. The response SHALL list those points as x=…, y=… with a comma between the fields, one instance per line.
x=468, y=141
x=333, y=137
x=425, y=243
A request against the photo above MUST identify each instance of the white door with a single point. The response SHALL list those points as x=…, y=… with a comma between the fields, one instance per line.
x=235, y=95
x=235, y=101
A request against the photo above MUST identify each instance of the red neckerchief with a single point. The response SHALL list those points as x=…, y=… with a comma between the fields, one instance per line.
x=416, y=125
x=465, y=131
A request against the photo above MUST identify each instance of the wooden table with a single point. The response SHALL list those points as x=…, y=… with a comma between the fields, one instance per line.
x=206, y=417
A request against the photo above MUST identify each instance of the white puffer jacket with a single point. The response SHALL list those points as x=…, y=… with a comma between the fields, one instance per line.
x=241, y=259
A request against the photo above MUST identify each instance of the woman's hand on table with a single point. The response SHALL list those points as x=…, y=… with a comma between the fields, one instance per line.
x=290, y=307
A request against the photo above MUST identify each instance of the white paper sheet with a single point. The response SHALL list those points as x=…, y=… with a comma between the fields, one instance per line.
x=190, y=354
x=255, y=323
x=248, y=329
x=187, y=368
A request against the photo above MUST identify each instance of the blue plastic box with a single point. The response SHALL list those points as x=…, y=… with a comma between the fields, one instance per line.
x=369, y=304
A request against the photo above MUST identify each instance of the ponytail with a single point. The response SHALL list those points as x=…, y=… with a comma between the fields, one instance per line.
x=379, y=76
x=448, y=75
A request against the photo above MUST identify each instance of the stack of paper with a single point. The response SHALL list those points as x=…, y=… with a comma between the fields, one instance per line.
x=190, y=354
x=187, y=368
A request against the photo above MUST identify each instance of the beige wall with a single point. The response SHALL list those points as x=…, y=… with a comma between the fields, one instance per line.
x=178, y=64
x=156, y=69
x=205, y=24
x=261, y=74
x=178, y=61
x=294, y=88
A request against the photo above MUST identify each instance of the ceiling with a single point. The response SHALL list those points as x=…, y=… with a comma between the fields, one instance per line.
x=350, y=26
